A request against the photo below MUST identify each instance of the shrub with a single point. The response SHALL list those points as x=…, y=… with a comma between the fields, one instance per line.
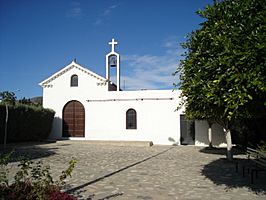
x=262, y=147
x=25, y=123
x=33, y=181
x=57, y=195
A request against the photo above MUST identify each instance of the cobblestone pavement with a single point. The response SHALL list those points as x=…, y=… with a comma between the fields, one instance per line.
x=119, y=172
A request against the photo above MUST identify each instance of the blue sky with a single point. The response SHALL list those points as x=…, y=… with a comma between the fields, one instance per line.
x=38, y=38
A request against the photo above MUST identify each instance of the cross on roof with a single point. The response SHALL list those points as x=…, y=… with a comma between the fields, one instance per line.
x=113, y=43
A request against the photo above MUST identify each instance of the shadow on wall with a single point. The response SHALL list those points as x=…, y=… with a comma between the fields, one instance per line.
x=57, y=128
x=27, y=150
x=174, y=143
x=222, y=172
x=201, y=132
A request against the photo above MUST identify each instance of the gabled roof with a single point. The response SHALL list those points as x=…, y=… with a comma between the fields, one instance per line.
x=72, y=65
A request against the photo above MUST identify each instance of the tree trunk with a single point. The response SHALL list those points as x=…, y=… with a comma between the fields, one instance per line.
x=229, y=154
x=210, y=134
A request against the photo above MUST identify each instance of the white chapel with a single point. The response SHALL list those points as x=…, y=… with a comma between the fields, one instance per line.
x=90, y=107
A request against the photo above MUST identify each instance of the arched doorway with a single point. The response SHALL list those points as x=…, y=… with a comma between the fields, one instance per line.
x=73, y=119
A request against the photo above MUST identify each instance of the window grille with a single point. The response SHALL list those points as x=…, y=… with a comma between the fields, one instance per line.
x=74, y=81
x=131, y=119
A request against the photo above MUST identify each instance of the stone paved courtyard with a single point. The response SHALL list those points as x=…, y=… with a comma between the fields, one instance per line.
x=125, y=171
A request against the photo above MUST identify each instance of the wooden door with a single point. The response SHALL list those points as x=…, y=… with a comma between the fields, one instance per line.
x=73, y=120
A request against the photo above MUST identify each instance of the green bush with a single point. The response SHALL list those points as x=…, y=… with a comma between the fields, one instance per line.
x=262, y=147
x=33, y=181
x=25, y=123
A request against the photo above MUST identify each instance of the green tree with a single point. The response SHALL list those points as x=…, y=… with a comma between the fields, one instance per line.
x=223, y=74
x=8, y=97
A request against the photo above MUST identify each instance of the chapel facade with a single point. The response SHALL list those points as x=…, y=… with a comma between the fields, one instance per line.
x=90, y=107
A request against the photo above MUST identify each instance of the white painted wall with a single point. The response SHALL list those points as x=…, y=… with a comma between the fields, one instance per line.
x=58, y=92
x=157, y=120
x=201, y=134
x=105, y=112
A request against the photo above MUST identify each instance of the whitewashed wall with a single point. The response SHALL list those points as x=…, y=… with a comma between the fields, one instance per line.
x=201, y=134
x=59, y=93
x=157, y=119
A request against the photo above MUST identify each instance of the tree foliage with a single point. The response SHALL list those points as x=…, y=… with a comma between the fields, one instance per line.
x=223, y=75
x=8, y=97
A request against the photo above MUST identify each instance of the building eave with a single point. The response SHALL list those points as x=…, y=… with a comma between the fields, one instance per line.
x=72, y=65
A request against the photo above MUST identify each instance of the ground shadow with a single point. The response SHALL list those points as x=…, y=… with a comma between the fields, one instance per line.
x=221, y=151
x=112, y=196
x=223, y=172
x=28, y=150
x=74, y=189
x=78, y=193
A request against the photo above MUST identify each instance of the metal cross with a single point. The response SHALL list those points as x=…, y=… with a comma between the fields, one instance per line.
x=113, y=43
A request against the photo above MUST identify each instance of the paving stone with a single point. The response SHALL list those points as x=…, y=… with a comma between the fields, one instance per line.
x=121, y=172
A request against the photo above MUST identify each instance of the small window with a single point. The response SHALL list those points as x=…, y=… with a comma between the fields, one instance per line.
x=131, y=119
x=74, y=81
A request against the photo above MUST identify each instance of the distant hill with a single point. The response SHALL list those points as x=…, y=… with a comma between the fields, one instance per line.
x=37, y=100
